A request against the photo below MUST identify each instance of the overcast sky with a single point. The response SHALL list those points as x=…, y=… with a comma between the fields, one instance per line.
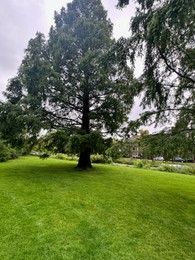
x=21, y=19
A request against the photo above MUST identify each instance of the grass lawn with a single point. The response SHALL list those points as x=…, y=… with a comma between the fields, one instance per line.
x=50, y=211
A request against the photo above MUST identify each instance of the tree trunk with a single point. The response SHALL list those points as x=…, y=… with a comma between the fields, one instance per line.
x=84, y=159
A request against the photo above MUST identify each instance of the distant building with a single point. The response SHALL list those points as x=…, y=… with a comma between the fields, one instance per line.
x=135, y=149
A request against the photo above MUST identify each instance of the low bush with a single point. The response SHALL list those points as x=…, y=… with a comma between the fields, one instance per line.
x=100, y=158
x=128, y=161
x=147, y=166
x=95, y=158
x=62, y=156
x=167, y=168
x=44, y=156
x=59, y=156
x=138, y=164
x=155, y=163
x=177, y=169
x=188, y=170
x=7, y=153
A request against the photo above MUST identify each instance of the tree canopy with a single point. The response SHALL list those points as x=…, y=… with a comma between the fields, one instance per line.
x=168, y=143
x=74, y=80
x=163, y=35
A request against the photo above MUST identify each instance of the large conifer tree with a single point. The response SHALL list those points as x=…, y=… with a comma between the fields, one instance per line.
x=75, y=80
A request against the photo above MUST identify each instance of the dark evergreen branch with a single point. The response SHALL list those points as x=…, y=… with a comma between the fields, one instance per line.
x=184, y=52
x=74, y=107
x=63, y=118
x=174, y=70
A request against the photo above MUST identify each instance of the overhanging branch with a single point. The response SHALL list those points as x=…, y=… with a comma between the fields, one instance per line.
x=174, y=70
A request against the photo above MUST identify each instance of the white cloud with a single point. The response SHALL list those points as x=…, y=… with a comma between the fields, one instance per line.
x=19, y=21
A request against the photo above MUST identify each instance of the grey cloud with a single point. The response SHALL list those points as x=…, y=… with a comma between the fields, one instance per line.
x=19, y=21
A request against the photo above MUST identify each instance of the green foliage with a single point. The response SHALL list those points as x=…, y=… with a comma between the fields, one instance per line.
x=119, y=149
x=165, y=167
x=138, y=164
x=168, y=168
x=163, y=35
x=6, y=152
x=100, y=158
x=44, y=156
x=73, y=80
x=147, y=166
x=188, y=170
x=54, y=142
x=177, y=169
x=168, y=143
x=94, y=141
x=159, y=166
x=114, y=151
x=68, y=157
x=17, y=126
x=127, y=161
x=60, y=142
x=60, y=156
x=95, y=158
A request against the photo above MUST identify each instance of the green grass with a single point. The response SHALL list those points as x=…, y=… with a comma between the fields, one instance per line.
x=50, y=211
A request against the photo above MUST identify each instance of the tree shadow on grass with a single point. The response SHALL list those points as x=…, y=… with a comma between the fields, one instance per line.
x=50, y=170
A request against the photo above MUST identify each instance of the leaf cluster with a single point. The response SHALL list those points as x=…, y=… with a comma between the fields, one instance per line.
x=94, y=141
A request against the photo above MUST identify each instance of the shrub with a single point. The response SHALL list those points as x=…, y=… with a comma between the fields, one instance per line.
x=168, y=168
x=188, y=170
x=155, y=163
x=138, y=164
x=100, y=158
x=124, y=161
x=59, y=156
x=6, y=152
x=177, y=168
x=44, y=156
x=147, y=166
x=62, y=156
